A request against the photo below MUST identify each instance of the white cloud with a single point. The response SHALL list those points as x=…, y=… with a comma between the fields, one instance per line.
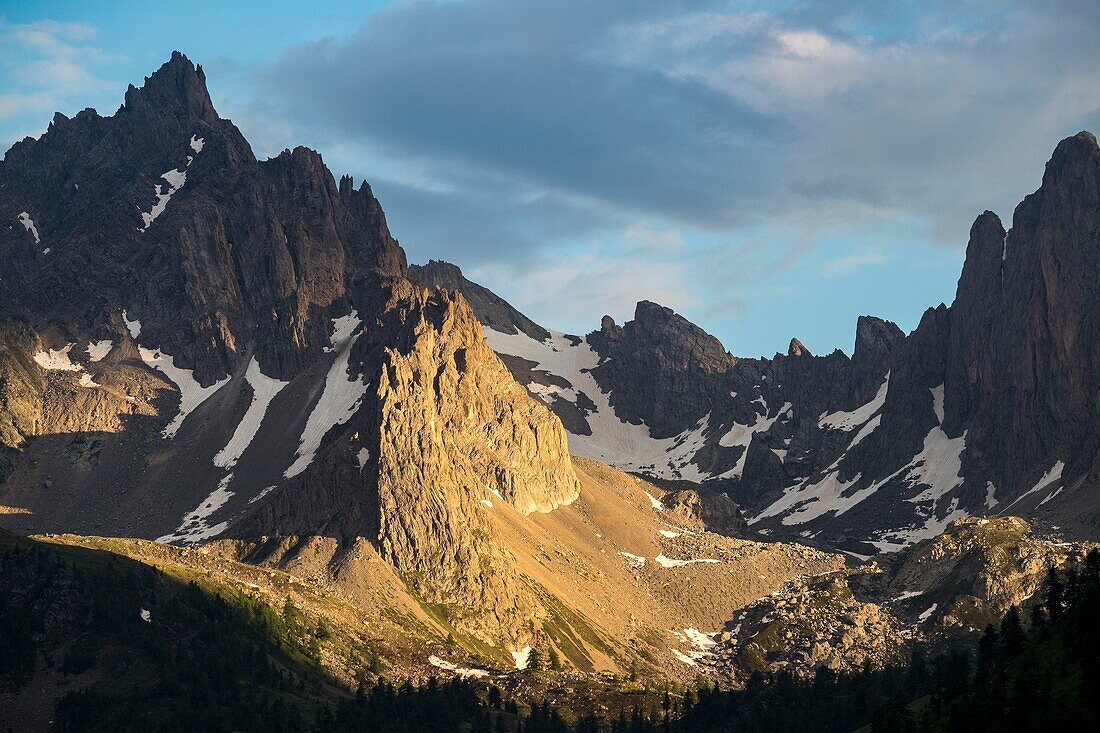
x=850, y=264
x=19, y=103
x=574, y=293
x=48, y=66
x=643, y=238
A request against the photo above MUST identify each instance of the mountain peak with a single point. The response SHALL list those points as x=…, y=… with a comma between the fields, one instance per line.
x=177, y=85
x=492, y=310
x=1070, y=155
x=797, y=348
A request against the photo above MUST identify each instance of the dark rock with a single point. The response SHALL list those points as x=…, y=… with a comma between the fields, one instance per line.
x=492, y=310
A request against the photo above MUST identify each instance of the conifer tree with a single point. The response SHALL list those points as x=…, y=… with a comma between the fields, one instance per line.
x=1012, y=632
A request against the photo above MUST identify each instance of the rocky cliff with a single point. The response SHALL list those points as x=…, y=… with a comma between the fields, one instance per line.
x=200, y=344
x=984, y=408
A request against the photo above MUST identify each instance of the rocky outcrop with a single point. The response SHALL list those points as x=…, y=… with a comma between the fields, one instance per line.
x=707, y=509
x=876, y=341
x=937, y=590
x=975, y=571
x=1024, y=361
x=813, y=622
x=659, y=368
x=456, y=431
x=492, y=310
x=199, y=344
x=162, y=210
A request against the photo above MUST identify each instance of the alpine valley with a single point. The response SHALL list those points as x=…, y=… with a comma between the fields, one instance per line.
x=252, y=462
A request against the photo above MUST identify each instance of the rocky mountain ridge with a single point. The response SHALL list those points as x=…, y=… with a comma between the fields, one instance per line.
x=232, y=355
x=982, y=409
x=232, y=348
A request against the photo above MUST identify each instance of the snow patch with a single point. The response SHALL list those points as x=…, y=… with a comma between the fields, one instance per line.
x=928, y=613
x=197, y=143
x=522, y=657
x=636, y=561
x=261, y=495
x=653, y=501
x=192, y=394
x=1048, y=478
x=684, y=658
x=842, y=420
x=938, y=465
x=937, y=402
x=668, y=533
x=702, y=641
x=1052, y=495
x=195, y=527
x=134, y=326
x=667, y=562
x=264, y=390
x=146, y=616
x=463, y=672
x=97, y=350
x=990, y=495
x=362, y=457
x=341, y=396
x=57, y=360
x=487, y=502
x=174, y=182
x=28, y=224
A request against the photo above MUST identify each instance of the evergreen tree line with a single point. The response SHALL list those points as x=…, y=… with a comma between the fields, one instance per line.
x=1036, y=675
x=209, y=664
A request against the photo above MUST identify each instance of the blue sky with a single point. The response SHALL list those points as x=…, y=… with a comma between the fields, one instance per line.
x=769, y=169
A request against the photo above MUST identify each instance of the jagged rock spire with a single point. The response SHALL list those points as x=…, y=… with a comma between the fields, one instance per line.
x=797, y=348
x=178, y=86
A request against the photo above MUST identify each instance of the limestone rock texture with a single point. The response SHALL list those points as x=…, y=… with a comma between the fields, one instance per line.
x=456, y=431
x=979, y=568
x=491, y=309
x=986, y=407
x=196, y=344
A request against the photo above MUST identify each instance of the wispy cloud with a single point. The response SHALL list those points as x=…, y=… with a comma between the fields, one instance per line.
x=49, y=66
x=721, y=156
x=850, y=264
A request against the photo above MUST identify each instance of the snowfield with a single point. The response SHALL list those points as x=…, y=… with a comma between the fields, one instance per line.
x=264, y=390
x=192, y=394
x=613, y=440
x=341, y=396
x=936, y=469
x=195, y=527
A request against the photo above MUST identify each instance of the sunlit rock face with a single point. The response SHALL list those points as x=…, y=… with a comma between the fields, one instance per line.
x=985, y=407
x=199, y=345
